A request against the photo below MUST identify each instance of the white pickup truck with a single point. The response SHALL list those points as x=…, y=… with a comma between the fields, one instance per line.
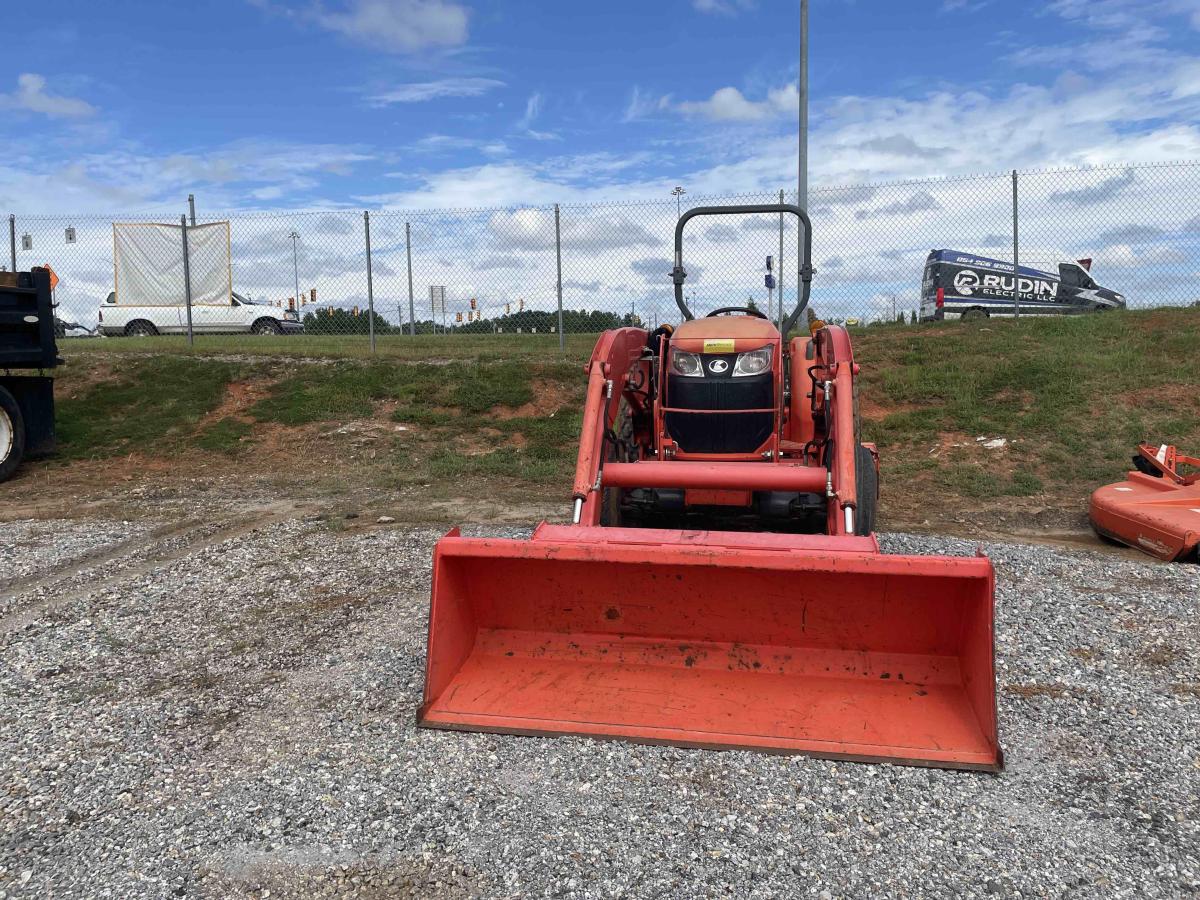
x=241, y=315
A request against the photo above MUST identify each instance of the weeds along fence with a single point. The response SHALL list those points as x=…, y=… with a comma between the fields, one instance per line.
x=511, y=270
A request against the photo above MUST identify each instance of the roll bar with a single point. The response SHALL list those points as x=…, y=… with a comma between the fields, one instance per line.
x=678, y=274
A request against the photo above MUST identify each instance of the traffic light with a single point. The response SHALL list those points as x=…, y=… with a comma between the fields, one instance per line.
x=472, y=303
x=356, y=310
x=507, y=309
x=291, y=302
x=312, y=295
x=521, y=305
x=458, y=317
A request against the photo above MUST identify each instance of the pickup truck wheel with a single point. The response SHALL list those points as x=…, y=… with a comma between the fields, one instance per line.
x=140, y=328
x=12, y=435
x=266, y=326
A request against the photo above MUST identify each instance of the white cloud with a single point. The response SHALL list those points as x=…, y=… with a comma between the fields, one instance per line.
x=642, y=105
x=398, y=26
x=723, y=7
x=533, y=108
x=126, y=180
x=728, y=104
x=420, y=92
x=31, y=95
x=445, y=143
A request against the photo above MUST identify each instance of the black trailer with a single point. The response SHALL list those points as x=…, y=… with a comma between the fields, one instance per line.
x=28, y=357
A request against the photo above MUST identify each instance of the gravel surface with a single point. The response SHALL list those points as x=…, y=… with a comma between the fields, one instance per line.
x=31, y=548
x=236, y=720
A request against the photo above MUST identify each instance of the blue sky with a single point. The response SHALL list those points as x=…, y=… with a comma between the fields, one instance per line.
x=435, y=103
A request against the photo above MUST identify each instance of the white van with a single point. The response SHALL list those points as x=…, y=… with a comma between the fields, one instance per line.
x=241, y=316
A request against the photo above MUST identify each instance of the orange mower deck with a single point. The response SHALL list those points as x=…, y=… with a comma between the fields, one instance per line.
x=795, y=644
x=1155, y=509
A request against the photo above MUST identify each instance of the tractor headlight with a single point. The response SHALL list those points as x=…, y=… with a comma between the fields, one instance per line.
x=686, y=364
x=754, y=362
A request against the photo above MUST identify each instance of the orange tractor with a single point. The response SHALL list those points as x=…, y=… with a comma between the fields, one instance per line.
x=720, y=585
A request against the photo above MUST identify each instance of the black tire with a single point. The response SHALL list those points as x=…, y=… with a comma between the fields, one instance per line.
x=975, y=314
x=140, y=328
x=266, y=326
x=12, y=435
x=866, y=487
x=610, y=501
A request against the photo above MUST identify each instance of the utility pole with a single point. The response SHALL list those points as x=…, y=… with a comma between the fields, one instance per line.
x=677, y=194
x=295, y=236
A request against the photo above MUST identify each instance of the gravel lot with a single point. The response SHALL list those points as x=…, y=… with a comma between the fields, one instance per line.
x=233, y=716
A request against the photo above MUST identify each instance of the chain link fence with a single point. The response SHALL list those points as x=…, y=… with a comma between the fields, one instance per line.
x=383, y=274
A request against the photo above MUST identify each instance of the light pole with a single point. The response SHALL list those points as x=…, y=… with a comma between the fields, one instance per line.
x=295, y=236
x=677, y=194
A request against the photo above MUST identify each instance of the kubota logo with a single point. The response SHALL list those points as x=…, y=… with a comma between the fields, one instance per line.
x=965, y=282
x=717, y=366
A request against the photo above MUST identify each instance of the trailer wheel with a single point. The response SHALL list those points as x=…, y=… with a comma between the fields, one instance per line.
x=866, y=489
x=975, y=314
x=12, y=435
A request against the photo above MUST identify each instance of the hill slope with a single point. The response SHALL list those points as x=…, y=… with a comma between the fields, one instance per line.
x=998, y=426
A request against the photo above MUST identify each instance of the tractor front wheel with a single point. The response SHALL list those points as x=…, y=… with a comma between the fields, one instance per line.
x=866, y=489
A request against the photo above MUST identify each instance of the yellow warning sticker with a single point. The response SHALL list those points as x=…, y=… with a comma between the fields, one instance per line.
x=724, y=345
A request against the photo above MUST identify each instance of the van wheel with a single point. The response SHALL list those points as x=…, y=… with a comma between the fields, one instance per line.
x=140, y=328
x=12, y=435
x=266, y=326
x=975, y=314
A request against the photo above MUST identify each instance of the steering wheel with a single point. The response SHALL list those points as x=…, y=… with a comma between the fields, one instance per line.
x=744, y=310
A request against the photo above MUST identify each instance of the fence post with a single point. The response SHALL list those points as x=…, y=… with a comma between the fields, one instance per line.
x=12, y=240
x=187, y=280
x=1016, y=265
x=192, y=213
x=412, y=319
x=562, y=338
x=370, y=281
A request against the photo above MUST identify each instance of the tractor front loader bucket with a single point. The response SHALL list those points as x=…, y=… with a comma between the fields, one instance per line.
x=786, y=643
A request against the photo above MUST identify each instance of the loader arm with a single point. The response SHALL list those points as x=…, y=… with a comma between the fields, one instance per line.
x=615, y=355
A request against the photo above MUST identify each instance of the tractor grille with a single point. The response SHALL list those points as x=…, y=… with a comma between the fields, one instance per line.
x=709, y=433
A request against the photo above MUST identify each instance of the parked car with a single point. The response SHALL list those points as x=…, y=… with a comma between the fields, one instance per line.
x=242, y=315
x=967, y=286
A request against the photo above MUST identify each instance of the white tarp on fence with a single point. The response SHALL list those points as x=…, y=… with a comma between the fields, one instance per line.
x=148, y=264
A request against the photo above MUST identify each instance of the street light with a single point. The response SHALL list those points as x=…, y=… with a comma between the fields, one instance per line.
x=677, y=193
x=295, y=236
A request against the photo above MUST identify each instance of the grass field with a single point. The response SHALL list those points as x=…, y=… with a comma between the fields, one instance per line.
x=418, y=347
x=498, y=416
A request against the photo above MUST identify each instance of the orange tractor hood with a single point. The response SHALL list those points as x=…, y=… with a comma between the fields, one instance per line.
x=734, y=334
